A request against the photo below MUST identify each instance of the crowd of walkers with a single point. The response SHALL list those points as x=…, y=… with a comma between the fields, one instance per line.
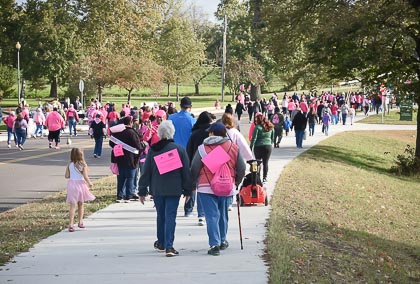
x=165, y=153
x=170, y=162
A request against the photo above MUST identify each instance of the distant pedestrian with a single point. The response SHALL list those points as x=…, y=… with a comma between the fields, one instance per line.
x=20, y=127
x=9, y=121
x=277, y=119
x=326, y=122
x=55, y=123
x=77, y=187
x=287, y=125
x=97, y=130
x=39, y=119
x=352, y=113
x=239, y=109
x=250, y=108
x=299, y=125
x=72, y=118
x=312, y=120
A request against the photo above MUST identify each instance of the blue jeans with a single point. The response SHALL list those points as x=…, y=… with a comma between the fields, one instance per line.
x=20, y=136
x=299, y=137
x=344, y=115
x=72, y=125
x=9, y=135
x=334, y=119
x=311, y=129
x=216, y=211
x=98, y=145
x=39, y=129
x=166, y=209
x=189, y=206
x=125, y=182
x=326, y=126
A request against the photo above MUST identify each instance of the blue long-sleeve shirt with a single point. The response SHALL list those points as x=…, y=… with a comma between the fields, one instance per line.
x=183, y=123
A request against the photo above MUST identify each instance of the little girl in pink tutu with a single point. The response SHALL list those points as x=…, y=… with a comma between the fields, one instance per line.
x=78, y=186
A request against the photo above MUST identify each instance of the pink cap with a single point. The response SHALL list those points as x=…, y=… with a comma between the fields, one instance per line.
x=160, y=113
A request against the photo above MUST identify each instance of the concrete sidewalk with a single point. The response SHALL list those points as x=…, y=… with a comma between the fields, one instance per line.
x=117, y=244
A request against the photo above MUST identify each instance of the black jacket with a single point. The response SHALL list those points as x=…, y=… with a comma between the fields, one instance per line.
x=130, y=137
x=173, y=183
x=196, y=139
x=299, y=121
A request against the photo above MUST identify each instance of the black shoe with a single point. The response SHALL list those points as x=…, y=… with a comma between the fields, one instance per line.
x=264, y=179
x=224, y=245
x=171, y=252
x=134, y=198
x=214, y=250
x=158, y=246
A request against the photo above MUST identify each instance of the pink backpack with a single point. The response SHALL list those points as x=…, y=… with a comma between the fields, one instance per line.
x=222, y=181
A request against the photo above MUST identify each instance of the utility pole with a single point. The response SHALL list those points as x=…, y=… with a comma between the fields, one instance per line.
x=224, y=58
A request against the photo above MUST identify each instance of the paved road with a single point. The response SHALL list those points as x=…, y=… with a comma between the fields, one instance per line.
x=38, y=171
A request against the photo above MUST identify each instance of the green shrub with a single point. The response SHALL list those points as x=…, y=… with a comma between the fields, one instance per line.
x=407, y=164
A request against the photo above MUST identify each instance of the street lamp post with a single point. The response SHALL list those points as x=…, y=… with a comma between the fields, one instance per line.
x=18, y=66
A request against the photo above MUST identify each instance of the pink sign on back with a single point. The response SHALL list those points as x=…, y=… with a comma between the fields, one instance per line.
x=216, y=158
x=168, y=161
x=118, y=150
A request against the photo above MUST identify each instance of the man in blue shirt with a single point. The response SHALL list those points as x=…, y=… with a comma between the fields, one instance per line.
x=183, y=122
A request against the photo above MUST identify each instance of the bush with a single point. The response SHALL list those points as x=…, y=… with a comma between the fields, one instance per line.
x=407, y=164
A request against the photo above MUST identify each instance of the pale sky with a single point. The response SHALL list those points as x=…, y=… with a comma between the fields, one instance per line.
x=209, y=7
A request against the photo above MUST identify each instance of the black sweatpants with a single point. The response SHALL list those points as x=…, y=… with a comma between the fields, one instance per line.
x=263, y=152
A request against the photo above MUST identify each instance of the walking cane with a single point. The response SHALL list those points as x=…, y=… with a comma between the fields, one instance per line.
x=239, y=220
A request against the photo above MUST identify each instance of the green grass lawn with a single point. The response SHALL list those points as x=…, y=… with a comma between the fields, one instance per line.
x=392, y=118
x=26, y=225
x=339, y=216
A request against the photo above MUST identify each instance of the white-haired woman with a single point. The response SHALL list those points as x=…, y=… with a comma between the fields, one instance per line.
x=167, y=176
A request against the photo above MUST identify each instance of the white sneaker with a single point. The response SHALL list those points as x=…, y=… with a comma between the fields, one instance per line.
x=230, y=208
x=201, y=222
x=8, y=146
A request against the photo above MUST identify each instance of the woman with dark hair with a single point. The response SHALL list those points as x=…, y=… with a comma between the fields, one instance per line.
x=239, y=109
x=19, y=128
x=262, y=141
x=199, y=133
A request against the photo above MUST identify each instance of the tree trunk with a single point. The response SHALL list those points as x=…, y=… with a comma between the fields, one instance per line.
x=197, y=88
x=129, y=95
x=417, y=153
x=255, y=92
x=177, y=93
x=54, y=88
x=168, y=89
x=99, y=92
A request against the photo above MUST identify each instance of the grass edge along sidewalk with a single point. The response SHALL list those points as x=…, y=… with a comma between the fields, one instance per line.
x=338, y=216
x=26, y=225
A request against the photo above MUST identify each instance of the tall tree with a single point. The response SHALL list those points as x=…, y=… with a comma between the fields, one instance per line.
x=377, y=41
x=180, y=52
x=9, y=30
x=49, y=40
